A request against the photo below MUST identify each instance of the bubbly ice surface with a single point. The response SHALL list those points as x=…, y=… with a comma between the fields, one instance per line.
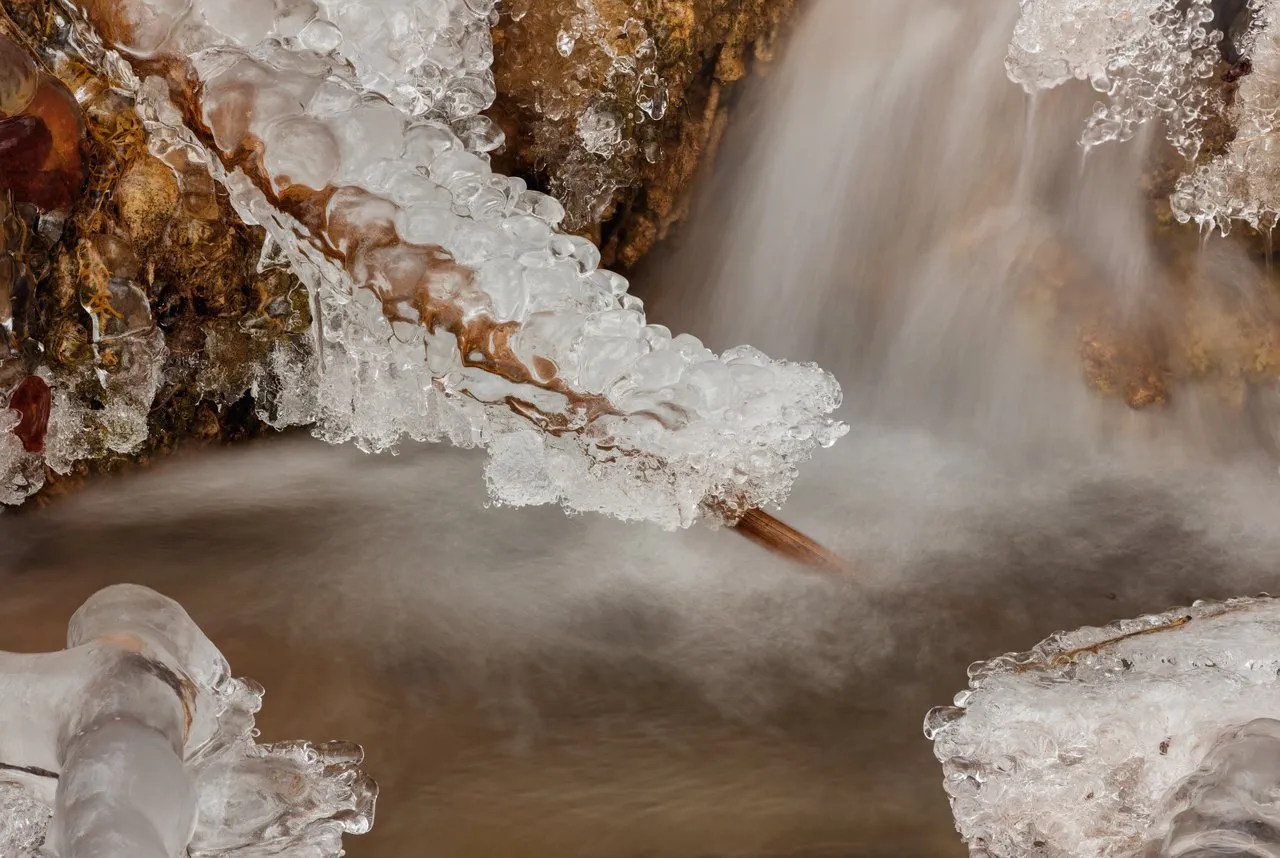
x=1145, y=58
x=1103, y=742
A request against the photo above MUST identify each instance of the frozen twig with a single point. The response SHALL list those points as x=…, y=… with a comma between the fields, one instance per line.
x=453, y=307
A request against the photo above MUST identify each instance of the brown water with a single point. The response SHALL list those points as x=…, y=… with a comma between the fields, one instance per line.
x=530, y=685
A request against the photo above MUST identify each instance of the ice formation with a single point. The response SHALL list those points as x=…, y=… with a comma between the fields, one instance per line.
x=1229, y=805
x=630, y=93
x=1244, y=182
x=446, y=303
x=137, y=741
x=1149, y=736
x=1156, y=59
x=1149, y=58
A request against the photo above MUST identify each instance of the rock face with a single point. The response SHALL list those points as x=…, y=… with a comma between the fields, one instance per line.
x=120, y=274
x=612, y=105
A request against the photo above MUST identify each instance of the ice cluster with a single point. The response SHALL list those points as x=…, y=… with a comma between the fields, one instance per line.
x=1156, y=58
x=1148, y=736
x=631, y=60
x=1148, y=58
x=446, y=302
x=1244, y=182
x=136, y=740
x=626, y=91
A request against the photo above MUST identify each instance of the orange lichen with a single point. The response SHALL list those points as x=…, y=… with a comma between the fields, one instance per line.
x=95, y=279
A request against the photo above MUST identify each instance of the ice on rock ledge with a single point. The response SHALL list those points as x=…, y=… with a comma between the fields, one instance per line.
x=1147, y=737
x=1244, y=182
x=1147, y=58
x=447, y=304
x=136, y=740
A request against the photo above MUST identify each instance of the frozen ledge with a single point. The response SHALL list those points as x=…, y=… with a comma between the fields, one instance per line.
x=1150, y=736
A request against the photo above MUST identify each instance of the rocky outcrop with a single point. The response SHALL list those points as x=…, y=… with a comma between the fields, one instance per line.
x=612, y=105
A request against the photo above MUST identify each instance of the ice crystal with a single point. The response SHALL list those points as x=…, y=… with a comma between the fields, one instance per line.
x=1101, y=742
x=618, y=59
x=1149, y=58
x=1244, y=182
x=447, y=304
x=430, y=59
x=137, y=739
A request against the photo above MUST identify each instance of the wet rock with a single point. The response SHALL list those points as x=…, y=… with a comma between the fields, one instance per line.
x=126, y=282
x=32, y=401
x=613, y=105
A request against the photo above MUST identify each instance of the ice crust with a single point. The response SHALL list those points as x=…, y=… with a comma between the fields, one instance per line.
x=1146, y=58
x=1142, y=737
x=447, y=303
x=1244, y=182
x=137, y=740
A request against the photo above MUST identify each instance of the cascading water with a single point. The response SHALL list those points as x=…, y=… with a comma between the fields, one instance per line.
x=939, y=240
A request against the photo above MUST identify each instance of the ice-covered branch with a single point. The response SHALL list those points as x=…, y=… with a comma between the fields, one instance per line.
x=447, y=304
x=135, y=741
x=1149, y=734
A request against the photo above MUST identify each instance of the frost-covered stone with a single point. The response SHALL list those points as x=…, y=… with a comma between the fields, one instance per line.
x=1103, y=742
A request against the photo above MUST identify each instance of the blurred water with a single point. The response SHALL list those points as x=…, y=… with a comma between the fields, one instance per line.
x=529, y=685
x=895, y=209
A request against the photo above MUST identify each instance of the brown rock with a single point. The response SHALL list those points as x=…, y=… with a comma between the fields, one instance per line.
x=660, y=71
x=146, y=198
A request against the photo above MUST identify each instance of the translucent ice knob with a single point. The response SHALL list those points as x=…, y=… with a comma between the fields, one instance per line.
x=135, y=742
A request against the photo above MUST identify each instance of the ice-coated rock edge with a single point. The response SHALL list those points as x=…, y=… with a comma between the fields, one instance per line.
x=1098, y=743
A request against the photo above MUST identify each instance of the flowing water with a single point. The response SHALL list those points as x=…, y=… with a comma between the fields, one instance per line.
x=528, y=684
